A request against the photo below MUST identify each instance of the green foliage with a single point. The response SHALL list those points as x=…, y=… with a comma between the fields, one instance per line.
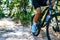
x=24, y=18
x=19, y=10
x=58, y=3
x=22, y=13
x=2, y=15
x=0, y=2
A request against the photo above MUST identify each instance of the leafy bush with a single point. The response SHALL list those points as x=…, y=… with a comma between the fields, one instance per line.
x=2, y=15
x=24, y=18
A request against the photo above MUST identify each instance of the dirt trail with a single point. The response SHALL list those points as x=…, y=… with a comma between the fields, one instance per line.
x=9, y=30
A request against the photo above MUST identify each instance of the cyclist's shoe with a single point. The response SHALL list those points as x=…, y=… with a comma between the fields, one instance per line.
x=33, y=30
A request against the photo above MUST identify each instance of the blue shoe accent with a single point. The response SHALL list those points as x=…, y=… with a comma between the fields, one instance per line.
x=33, y=30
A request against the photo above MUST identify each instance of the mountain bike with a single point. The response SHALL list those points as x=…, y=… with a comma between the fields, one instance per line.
x=54, y=20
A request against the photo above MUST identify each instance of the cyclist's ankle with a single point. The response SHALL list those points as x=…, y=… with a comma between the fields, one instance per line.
x=34, y=23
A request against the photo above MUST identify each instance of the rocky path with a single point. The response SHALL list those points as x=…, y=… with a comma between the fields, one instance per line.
x=9, y=30
x=12, y=31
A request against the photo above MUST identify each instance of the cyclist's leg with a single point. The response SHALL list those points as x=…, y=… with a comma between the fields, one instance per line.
x=36, y=17
x=37, y=5
x=52, y=1
x=38, y=13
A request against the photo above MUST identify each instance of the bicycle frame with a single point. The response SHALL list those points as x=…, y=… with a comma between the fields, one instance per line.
x=43, y=22
x=41, y=17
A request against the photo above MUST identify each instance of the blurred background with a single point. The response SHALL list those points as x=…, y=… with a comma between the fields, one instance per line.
x=18, y=10
x=15, y=20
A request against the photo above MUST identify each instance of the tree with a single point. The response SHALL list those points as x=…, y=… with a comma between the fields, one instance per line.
x=18, y=9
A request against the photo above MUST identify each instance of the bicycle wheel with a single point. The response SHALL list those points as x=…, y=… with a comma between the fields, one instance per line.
x=53, y=28
x=37, y=28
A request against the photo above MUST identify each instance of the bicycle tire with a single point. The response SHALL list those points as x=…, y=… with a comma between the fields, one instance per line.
x=51, y=34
